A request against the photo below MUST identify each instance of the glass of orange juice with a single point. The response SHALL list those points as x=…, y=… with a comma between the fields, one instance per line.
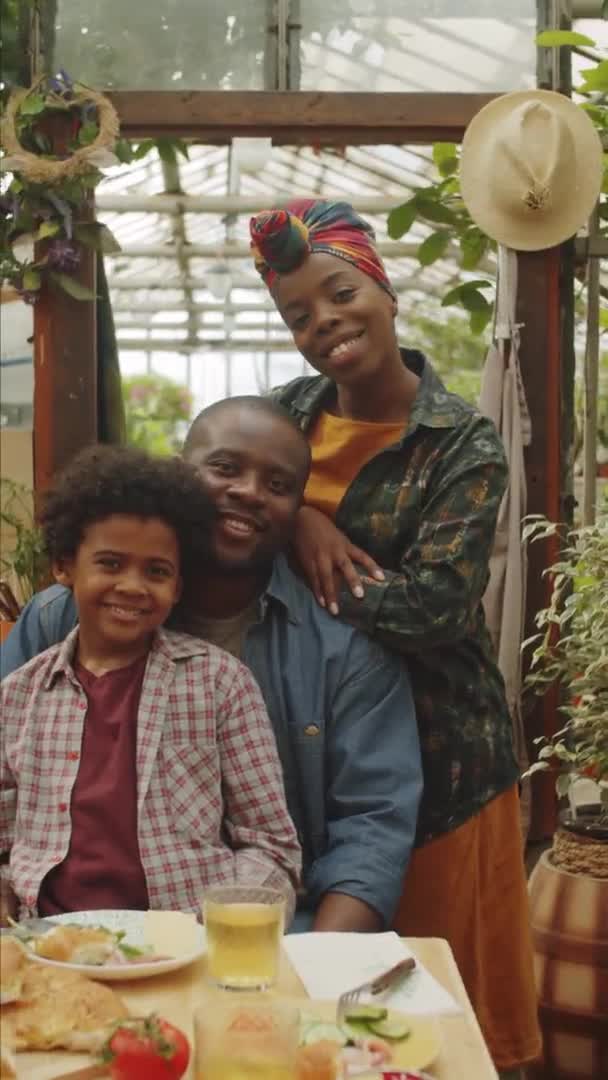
x=245, y=1037
x=244, y=929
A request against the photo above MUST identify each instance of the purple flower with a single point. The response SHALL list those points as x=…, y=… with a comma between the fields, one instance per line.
x=61, y=83
x=62, y=255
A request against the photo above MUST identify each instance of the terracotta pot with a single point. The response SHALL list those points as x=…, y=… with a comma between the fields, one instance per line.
x=5, y=629
x=569, y=917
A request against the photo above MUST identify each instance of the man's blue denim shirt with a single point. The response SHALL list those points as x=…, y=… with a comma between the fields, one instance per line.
x=344, y=720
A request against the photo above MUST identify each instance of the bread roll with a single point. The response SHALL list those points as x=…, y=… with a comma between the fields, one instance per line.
x=60, y=1009
x=13, y=964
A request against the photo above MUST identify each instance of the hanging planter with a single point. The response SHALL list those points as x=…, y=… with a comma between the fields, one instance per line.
x=92, y=120
x=56, y=135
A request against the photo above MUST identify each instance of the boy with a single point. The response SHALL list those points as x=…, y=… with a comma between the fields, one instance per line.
x=138, y=765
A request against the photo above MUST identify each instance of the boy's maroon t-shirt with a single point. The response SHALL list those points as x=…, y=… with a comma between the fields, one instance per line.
x=102, y=868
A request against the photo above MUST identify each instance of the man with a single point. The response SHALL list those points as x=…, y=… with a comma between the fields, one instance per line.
x=340, y=706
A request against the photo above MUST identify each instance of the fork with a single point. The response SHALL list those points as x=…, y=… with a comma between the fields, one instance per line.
x=29, y=928
x=375, y=986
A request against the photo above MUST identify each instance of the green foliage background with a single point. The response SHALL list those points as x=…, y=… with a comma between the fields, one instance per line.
x=456, y=353
x=157, y=411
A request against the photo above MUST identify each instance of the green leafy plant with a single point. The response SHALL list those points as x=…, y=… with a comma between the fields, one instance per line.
x=56, y=120
x=458, y=355
x=169, y=150
x=571, y=651
x=24, y=564
x=157, y=411
x=440, y=204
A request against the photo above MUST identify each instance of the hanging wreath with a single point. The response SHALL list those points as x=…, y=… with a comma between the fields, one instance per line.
x=47, y=170
x=56, y=135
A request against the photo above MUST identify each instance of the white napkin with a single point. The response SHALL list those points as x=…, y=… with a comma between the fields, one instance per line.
x=330, y=963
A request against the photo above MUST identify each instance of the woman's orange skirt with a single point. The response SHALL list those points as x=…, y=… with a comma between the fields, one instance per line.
x=469, y=886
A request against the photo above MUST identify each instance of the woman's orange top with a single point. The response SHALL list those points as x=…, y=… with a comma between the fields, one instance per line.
x=340, y=448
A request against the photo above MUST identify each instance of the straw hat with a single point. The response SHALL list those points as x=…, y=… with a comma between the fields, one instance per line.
x=531, y=169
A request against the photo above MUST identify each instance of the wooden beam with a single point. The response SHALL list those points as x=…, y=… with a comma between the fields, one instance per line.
x=203, y=345
x=65, y=375
x=240, y=249
x=253, y=283
x=539, y=310
x=295, y=118
x=587, y=247
x=232, y=204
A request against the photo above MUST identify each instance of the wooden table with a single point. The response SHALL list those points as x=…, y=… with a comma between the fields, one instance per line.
x=464, y=1055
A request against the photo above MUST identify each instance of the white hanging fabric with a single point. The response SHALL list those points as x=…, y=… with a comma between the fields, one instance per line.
x=503, y=399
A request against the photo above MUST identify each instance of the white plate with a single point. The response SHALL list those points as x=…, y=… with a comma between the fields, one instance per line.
x=133, y=924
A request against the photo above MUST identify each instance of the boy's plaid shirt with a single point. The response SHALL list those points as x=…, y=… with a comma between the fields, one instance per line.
x=211, y=805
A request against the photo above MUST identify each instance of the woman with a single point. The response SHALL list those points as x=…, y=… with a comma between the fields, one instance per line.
x=406, y=482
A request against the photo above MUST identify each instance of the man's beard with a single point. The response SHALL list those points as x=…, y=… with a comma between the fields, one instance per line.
x=258, y=564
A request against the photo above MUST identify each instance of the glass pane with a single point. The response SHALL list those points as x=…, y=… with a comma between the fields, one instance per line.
x=16, y=364
x=162, y=44
x=422, y=45
x=16, y=419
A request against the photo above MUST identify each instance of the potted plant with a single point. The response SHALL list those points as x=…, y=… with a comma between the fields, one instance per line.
x=572, y=650
x=569, y=885
x=23, y=562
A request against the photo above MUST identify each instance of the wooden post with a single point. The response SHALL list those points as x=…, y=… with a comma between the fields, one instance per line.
x=539, y=310
x=65, y=374
x=591, y=382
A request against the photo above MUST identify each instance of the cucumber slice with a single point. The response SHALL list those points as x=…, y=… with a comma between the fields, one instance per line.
x=367, y=1013
x=393, y=1027
x=316, y=1032
x=356, y=1029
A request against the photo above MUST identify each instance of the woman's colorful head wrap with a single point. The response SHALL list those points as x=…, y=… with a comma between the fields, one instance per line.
x=282, y=239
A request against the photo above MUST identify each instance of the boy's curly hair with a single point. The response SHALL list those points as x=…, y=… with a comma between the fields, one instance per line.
x=106, y=480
